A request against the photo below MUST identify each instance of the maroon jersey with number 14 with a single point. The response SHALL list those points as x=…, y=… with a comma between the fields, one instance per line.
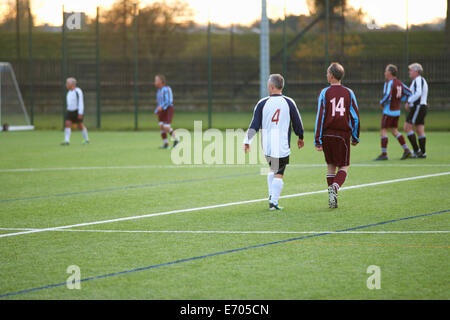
x=337, y=121
x=337, y=113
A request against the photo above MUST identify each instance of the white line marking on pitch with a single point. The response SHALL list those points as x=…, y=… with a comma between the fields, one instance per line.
x=218, y=205
x=240, y=232
x=214, y=166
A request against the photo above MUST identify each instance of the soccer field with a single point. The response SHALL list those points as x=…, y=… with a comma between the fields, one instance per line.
x=139, y=227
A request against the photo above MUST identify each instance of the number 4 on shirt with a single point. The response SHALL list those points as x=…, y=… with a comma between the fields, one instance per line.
x=276, y=116
x=339, y=108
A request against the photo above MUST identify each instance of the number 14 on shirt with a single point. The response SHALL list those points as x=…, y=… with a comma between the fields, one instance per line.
x=337, y=108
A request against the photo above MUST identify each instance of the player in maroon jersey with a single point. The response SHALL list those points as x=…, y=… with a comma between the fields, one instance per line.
x=394, y=91
x=337, y=123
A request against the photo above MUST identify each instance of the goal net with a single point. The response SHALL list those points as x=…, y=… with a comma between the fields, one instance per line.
x=13, y=114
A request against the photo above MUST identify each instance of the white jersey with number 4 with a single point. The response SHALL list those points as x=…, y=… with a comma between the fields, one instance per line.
x=274, y=115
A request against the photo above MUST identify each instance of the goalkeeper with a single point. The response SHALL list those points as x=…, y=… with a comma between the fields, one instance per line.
x=75, y=111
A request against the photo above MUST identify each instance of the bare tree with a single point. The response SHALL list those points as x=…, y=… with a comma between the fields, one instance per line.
x=15, y=19
x=9, y=18
x=337, y=9
x=318, y=6
x=160, y=26
x=118, y=20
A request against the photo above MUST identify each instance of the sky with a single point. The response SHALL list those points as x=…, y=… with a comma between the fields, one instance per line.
x=225, y=12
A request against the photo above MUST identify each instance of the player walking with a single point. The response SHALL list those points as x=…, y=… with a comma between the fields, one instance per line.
x=394, y=91
x=164, y=110
x=417, y=107
x=75, y=111
x=274, y=115
x=337, y=121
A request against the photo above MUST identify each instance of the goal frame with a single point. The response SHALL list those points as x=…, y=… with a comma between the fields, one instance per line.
x=28, y=126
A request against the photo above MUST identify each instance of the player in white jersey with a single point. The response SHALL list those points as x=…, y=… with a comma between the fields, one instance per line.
x=75, y=111
x=417, y=107
x=274, y=116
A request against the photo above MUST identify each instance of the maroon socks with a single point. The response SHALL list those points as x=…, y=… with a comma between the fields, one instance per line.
x=330, y=178
x=402, y=142
x=339, y=179
x=384, y=143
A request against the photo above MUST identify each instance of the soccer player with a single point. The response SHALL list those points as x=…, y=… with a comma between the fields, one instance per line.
x=394, y=91
x=75, y=111
x=417, y=107
x=274, y=115
x=337, y=122
x=164, y=110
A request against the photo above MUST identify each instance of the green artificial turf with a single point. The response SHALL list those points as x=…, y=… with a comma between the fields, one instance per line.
x=437, y=120
x=124, y=174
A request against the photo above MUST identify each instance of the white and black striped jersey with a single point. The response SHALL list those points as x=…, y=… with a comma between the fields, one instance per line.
x=274, y=116
x=419, y=89
x=75, y=100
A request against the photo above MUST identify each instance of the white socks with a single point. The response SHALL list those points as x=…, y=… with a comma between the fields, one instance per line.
x=269, y=182
x=85, y=135
x=67, y=134
x=171, y=132
x=277, y=185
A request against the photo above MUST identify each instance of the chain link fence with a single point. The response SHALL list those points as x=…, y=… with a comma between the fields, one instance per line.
x=115, y=68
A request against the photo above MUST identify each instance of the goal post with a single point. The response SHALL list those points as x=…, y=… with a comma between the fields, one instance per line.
x=13, y=114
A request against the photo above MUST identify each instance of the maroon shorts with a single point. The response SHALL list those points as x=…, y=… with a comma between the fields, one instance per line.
x=389, y=122
x=166, y=116
x=336, y=149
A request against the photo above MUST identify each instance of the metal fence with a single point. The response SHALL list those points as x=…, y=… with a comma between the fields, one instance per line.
x=235, y=92
x=114, y=82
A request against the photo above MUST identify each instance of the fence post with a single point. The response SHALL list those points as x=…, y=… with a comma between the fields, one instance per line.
x=407, y=42
x=264, y=51
x=135, y=54
x=285, y=51
x=232, y=63
x=63, y=65
x=30, y=48
x=97, y=68
x=18, y=29
x=327, y=27
x=209, y=78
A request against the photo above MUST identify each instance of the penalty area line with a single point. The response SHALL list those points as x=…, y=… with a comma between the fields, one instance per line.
x=193, y=166
x=217, y=206
x=236, y=231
